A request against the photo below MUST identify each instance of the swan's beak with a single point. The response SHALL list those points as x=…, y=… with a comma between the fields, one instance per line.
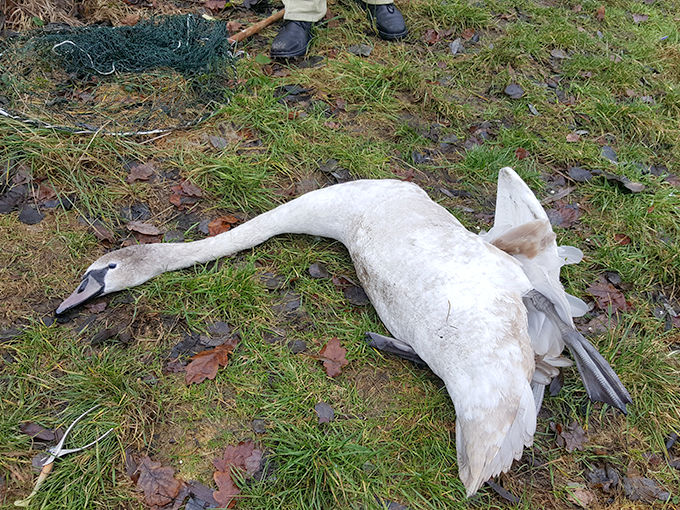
x=91, y=286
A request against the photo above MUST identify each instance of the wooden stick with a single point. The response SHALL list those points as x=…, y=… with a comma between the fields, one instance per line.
x=254, y=29
x=43, y=475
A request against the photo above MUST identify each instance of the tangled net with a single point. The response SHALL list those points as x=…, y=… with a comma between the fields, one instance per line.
x=160, y=74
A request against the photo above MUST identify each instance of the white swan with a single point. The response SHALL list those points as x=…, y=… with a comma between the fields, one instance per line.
x=468, y=309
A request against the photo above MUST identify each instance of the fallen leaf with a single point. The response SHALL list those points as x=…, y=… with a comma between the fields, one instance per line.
x=190, y=189
x=606, y=478
x=608, y=297
x=360, y=50
x=456, y=46
x=639, y=488
x=571, y=437
x=580, y=174
x=37, y=431
x=205, y=364
x=158, y=483
x=521, y=153
x=221, y=224
x=102, y=233
x=468, y=34
x=356, y=295
x=140, y=172
x=215, y=6
x=431, y=36
x=130, y=20
x=185, y=194
x=234, y=26
x=599, y=14
x=573, y=137
x=622, y=181
x=639, y=18
x=333, y=356
x=44, y=193
x=621, y=239
x=615, y=58
x=558, y=53
x=577, y=8
x=30, y=215
x=609, y=153
x=514, y=91
x=244, y=457
x=143, y=228
x=581, y=497
x=318, y=270
x=324, y=412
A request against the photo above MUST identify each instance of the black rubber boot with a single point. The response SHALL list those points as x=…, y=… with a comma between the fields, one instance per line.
x=388, y=20
x=292, y=40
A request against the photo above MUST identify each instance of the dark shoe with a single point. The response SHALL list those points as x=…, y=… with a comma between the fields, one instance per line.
x=388, y=20
x=292, y=40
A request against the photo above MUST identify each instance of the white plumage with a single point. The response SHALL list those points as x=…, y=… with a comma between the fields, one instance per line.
x=466, y=307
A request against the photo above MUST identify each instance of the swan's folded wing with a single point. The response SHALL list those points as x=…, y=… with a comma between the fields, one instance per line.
x=522, y=229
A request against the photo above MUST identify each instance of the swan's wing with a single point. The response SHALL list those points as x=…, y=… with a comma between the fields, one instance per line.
x=522, y=229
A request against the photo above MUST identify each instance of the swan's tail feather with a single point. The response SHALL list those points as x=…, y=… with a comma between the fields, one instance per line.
x=600, y=380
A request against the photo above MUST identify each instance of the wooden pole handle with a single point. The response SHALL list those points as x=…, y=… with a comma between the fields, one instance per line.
x=254, y=29
x=43, y=475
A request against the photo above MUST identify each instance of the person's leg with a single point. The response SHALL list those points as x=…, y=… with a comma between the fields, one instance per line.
x=295, y=34
x=388, y=20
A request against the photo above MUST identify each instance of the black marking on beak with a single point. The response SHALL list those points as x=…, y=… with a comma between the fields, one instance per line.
x=91, y=286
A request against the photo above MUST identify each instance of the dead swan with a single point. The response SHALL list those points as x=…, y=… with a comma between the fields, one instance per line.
x=476, y=315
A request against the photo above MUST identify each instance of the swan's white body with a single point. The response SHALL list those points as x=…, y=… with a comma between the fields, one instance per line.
x=456, y=299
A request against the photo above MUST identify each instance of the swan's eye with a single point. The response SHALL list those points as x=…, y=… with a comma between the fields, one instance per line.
x=112, y=265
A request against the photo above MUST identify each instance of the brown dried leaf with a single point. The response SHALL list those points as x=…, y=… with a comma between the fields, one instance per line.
x=102, y=233
x=333, y=356
x=143, y=228
x=244, y=457
x=226, y=491
x=581, y=497
x=130, y=20
x=324, y=412
x=332, y=124
x=191, y=190
x=233, y=26
x=573, y=137
x=468, y=34
x=638, y=18
x=521, y=153
x=221, y=224
x=571, y=437
x=158, y=483
x=44, y=193
x=431, y=36
x=640, y=488
x=140, y=172
x=599, y=14
x=205, y=364
x=608, y=297
x=216, y=6
x=621, y=239
x=37, y=431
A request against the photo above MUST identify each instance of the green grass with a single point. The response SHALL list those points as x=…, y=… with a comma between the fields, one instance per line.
x=394, y=433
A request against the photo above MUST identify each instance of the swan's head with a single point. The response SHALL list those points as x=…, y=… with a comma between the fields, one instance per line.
x=115, y=271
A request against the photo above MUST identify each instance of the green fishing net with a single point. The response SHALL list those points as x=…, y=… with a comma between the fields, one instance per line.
x=161, y=73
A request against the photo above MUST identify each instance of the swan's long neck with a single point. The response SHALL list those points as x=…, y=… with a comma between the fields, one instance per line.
x=328, y=212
